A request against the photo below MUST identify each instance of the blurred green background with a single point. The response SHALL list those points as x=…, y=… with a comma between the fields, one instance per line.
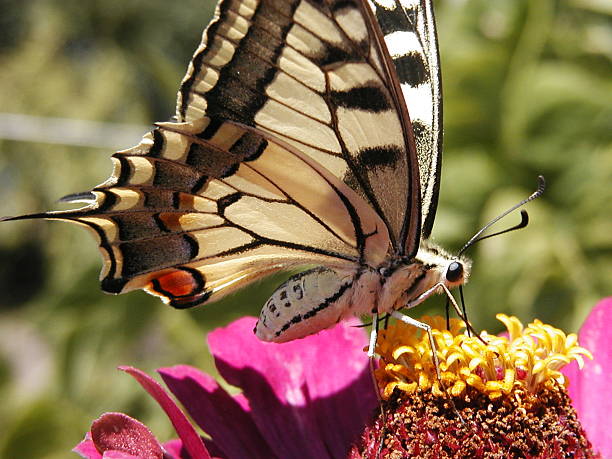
x=527, y=91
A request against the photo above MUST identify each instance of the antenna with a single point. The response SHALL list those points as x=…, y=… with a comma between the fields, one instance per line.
x=524, y=217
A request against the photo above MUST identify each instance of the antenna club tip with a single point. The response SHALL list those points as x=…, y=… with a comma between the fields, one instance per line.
x=541, y=184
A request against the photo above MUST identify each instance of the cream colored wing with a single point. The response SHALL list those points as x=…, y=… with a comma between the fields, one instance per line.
x=317, y=75
x=198, y=209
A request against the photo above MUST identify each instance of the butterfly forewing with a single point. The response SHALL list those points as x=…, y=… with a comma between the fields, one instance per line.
x=409, y=31
x=316, y=75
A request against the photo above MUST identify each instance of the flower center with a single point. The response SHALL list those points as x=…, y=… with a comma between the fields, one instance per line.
x=502, y=396
x=528, y=358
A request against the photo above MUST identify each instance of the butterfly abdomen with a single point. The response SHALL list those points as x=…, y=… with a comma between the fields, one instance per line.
x=314, y=300
x=302, y=302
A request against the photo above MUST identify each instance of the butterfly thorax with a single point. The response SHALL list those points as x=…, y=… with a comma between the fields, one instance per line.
x=405, y=280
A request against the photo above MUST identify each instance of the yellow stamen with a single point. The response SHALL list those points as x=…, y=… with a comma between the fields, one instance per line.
x=529, y=358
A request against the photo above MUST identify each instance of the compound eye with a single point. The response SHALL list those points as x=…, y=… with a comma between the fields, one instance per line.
x=454, y=271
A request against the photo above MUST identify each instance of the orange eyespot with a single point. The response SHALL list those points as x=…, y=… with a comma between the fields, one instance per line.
x=175, y=283
x=182, y=288
x=171, y=220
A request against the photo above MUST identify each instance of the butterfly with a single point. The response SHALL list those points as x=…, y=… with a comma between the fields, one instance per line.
x=307, y=135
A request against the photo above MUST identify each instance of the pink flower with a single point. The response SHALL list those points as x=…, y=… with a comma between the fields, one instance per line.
x=589, y=388
x=306, y=398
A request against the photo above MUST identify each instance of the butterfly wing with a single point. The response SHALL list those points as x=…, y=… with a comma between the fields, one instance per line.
x=318, y=76
x=293, y=147
x=198, y=209
x=409, y=30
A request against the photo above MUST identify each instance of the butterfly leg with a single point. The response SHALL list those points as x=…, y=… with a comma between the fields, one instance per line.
x=427, y=293
x=423, y=326
x=373, y=335
x=423, y=296
x=371, y=355
x=434, y=353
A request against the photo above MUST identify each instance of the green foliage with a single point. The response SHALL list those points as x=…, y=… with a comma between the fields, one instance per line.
x=527, y=92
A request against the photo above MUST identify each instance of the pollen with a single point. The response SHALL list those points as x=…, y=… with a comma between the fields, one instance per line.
x=524, y=361
x=495, y=397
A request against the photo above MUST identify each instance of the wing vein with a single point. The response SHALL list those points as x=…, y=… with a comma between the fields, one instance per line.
x=303, y=208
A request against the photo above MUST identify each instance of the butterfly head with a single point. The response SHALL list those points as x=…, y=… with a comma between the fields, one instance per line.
x=452, y=270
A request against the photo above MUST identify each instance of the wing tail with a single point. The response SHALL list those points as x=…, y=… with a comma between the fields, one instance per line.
x=199, y=209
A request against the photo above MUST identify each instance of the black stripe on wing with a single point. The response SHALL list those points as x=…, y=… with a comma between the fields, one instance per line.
x=315, y=74
x=167, y=222
x=410, y=32
x=244, y=79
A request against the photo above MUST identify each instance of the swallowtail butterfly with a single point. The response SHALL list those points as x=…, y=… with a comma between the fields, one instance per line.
x=307, y=134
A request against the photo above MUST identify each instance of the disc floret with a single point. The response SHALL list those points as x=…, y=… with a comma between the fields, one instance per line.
x=526, y=357
x=497, y=396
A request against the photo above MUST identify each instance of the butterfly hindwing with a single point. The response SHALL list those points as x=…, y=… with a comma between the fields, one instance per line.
x=198, y=209
x=316, y=75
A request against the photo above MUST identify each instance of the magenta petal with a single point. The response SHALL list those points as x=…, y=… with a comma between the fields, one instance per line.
x=175, y=449
x=589, y=388
x=120, y=433
x=192, y=441
x=114, y=454
x=216, y=412
x=87, y=449
x=309, y=397
x=347, y=389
